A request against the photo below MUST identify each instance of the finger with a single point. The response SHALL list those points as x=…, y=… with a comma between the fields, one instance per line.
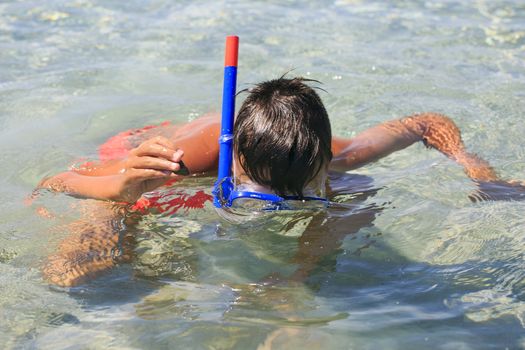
x=163, y=141
x=167, y=145
x=149, y=174
x=159, y=140
x=159, y=147
x=155, y=163
x=155, y=140
x=155, y=150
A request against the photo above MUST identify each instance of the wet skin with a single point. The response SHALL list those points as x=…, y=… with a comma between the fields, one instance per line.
x=90, y=248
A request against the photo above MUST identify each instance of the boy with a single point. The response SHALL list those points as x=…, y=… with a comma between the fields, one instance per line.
x=282, y=145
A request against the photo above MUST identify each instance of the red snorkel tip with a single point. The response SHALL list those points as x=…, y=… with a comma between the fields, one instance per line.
x=232, y=51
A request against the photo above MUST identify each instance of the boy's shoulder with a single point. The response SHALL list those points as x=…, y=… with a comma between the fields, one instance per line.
x=119, y=145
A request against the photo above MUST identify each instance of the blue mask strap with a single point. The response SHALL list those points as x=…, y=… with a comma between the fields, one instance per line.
x=256, y=195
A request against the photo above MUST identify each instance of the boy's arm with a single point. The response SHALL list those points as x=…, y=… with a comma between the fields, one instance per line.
x=147, y=167
x=435, y=130
x=99, y=240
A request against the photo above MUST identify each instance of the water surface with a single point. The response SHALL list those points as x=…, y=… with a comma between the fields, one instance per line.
x=431, y=270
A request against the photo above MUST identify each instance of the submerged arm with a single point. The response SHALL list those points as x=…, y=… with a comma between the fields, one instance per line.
x=95, y=244
x=435, y=130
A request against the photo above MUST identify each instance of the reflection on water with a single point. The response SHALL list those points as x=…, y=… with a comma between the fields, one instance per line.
x=164, y=247
x=404, y=261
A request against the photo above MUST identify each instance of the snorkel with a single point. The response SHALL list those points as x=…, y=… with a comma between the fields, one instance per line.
x=224, y=185
x=224, y=191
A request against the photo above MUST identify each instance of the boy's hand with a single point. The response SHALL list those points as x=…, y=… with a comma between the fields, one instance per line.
x=147, y=167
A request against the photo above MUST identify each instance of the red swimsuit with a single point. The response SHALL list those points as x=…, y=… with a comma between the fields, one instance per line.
x=118, y=147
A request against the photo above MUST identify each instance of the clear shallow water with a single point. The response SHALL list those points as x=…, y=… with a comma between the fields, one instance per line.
x=432, y=271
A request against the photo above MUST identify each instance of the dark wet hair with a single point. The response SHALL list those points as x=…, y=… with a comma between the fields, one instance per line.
x=282, y=135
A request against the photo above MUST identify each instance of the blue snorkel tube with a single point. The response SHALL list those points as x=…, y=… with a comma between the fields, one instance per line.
x=224, y=185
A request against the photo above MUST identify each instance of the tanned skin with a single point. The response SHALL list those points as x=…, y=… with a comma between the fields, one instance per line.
x=85, y=254
x=154, y=162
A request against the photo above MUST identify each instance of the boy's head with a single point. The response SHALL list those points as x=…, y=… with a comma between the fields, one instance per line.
x=282, y=135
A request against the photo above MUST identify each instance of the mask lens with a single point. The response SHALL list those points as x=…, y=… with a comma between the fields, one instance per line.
x=252, y=204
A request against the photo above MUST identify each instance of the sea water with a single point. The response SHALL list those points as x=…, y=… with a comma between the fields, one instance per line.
x=411, y=265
